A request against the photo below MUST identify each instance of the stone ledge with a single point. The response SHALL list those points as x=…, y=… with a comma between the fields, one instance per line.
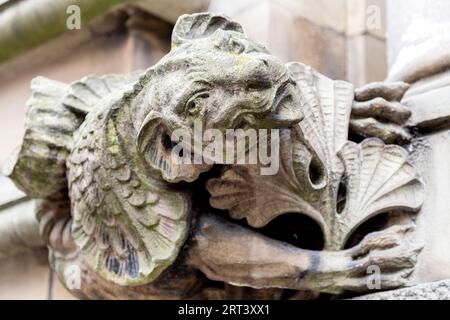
x=439, y=290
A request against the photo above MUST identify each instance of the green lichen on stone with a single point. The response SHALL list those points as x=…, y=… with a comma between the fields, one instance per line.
x=29, y=24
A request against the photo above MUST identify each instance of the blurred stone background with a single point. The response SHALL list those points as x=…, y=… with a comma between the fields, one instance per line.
x=343, y=39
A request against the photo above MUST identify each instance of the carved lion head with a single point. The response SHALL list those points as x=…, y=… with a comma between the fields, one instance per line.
x=213, y=74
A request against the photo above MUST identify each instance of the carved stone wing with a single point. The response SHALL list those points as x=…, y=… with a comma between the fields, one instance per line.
x=128, y=227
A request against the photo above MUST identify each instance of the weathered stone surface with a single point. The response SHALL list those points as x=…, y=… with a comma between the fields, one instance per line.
x=33, y=282
x=99, y=48
x=322, y=48
x=429, y=101
x=170, y=10
x=366, y=17
x=439, y=290
x=329, y=14
x=366, y=59
x=316, y=30
x=378, y=112
x=418, y=41
x=430, y=156
x=418, y=52
x=120, y=209
x=377, y=176
x=19, y=230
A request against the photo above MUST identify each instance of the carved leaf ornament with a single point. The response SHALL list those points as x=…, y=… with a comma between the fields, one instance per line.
x=338, y=183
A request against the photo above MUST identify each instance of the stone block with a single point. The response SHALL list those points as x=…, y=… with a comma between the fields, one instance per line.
x=429, y=101
x=366, y=17
x=292, y=37
x=255, y=22
x=418, y=38
x=25, y=276
x=430, y=156
x=233, y=8
x=315, y=33
x=324, y=13
x=329, y=14
x=427, y=291
x=170, y=10
x=320, y=47
x=366, y=59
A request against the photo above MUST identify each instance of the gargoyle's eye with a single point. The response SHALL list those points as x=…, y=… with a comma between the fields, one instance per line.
x=236, y=46
x=258, y=85
x=196, y=103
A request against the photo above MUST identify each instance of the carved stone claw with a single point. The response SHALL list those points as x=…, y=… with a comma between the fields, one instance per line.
x=393, y=91
x=384, y=258
x=384, y=239
x=371, y=127
x=377, y=112
x=387, y=252
x=386, y=281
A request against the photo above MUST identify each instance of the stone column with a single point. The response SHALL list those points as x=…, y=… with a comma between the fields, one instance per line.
x=121, y=41
x=366, y=41
x=419, y=53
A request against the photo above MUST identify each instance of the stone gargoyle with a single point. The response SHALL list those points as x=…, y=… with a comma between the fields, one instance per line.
x=122, y=220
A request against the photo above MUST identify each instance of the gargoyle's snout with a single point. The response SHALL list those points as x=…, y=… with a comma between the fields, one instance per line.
x=285, y=110
x=264, y=70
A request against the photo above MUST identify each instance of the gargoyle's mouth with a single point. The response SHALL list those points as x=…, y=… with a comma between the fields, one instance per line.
x=281, y=94
x=159, y=151
x=293, y=228
x=284, y=110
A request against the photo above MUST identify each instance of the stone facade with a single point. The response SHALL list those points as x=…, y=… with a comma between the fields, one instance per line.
x=439, y=290
x=418, y=54
x=338, y=38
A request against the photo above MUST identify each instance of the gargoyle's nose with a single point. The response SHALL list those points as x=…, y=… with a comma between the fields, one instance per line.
x=265, y=62
x=263, y=69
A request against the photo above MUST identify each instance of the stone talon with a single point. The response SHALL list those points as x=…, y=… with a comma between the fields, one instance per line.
x=377, y=112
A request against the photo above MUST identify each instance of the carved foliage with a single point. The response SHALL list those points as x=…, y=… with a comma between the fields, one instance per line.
x=340, y=184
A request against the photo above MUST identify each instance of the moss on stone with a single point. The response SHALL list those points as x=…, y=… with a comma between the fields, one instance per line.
x=30, y=24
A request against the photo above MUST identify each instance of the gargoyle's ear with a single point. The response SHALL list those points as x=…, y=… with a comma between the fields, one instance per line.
x=200, y=25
